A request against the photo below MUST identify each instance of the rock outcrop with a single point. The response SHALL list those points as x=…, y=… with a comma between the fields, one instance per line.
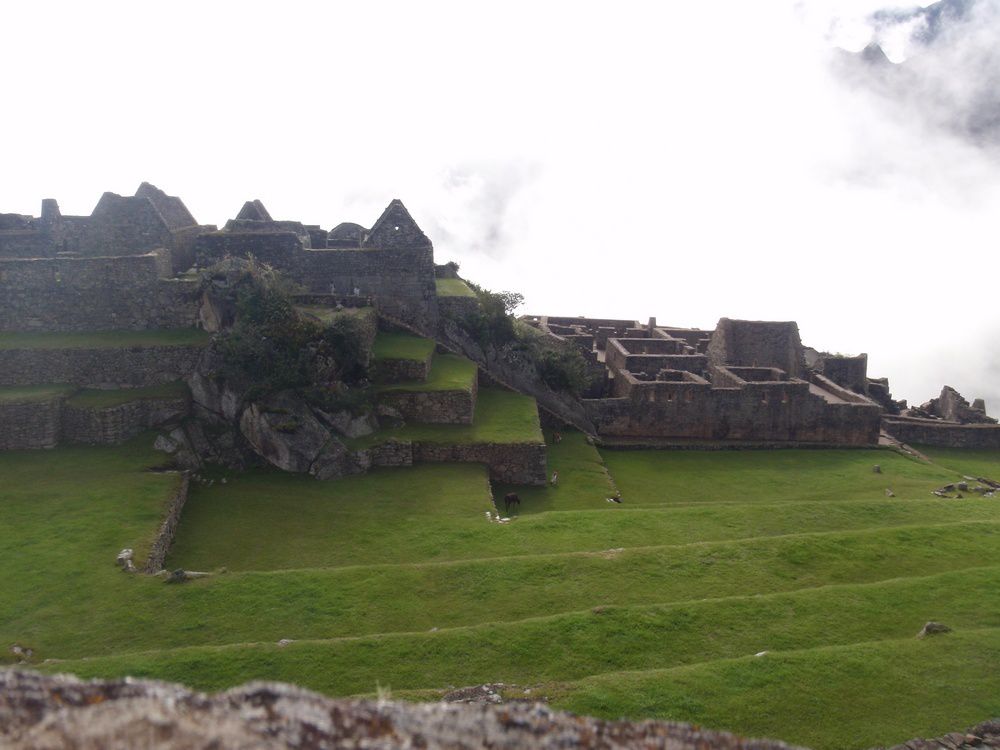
x=48, y=712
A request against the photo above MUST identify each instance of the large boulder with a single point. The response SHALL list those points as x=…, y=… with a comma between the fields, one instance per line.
x=284, y=431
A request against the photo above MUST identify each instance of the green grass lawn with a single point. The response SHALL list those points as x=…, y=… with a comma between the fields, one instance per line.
x=879, y=693
x=671, y=477
x=977, y=463
x=448, y=372
x=453, y=288
x=95, y=398
x=402, y=346
x=501, y=417
x=582, y=643
x=104, y=339
x=387, y=516
x=30, y=393
x=654, y=607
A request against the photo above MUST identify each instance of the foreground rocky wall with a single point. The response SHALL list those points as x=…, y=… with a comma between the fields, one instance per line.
x=45, y=712
x=985, y=436
x=121, y=367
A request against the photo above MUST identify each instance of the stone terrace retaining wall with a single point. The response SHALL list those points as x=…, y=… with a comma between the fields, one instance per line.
x=433, y=407
x=31, y=424
x=457, y=308
x=165, y=536
x=129, y=367
x=88, y=294
x=945, y=435
x=512, y=463
x=401, y=370
x=115, y=424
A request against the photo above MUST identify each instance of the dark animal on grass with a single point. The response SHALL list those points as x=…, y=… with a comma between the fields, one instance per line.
x=509, y=501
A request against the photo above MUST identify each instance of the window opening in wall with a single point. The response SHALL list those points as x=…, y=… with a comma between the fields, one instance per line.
x=763, y=398
x=688, y=396
x=784, y=397
x=670, y=397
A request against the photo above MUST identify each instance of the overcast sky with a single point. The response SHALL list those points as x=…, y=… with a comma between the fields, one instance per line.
x=683, y=160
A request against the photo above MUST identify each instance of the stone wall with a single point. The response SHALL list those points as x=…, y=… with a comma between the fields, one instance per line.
x=30, y=424
x=753, y=343
x=433, y=407
x=457, y=308
x=122, y=367
x=849, y=372
x=400, y=280
x=402, y=370
x=944, y=434
x=511, y=463
x=115, y=424
x=763, y=411
x=100, y=293
x=168, y=527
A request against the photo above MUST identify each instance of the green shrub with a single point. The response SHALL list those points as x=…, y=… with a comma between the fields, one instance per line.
x=561, y=368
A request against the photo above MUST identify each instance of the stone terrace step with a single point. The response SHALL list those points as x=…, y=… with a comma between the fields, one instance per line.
x=402, y=357
x=44, y=416
x=446, y=396
x=100, y=358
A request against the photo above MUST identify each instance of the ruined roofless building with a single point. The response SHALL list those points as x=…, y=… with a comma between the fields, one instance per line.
x=745, y=381
x=123, y=266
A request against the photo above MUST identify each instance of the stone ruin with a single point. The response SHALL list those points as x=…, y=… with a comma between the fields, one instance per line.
x=745, y=381
x=131, y=265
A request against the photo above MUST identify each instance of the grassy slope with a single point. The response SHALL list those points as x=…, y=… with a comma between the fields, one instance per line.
x=448, y=373
x=676, y=477
x=104, y=339
x=453, y=288
x=402, y=346
x=578, y=644
x=977, y=463
x=246, y=524
x=784, y=551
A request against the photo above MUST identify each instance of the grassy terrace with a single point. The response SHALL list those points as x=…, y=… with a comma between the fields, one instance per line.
x=501, y=417
x=453, y=288
x=95, y=398
x=29, y=393
x=655, y=607
x=104, y=339
x=448, y=373
x=977, y=463
x=402, y=346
